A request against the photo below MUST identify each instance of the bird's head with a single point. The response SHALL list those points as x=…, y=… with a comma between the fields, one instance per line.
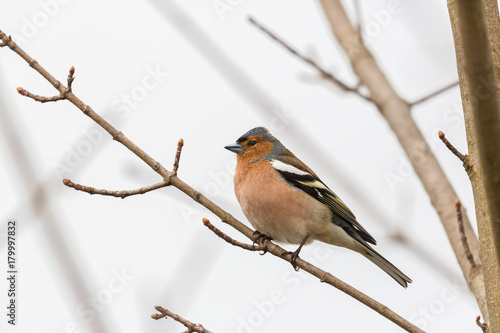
x=256, y=144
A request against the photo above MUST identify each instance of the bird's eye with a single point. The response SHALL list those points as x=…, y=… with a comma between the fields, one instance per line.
x=252, y=143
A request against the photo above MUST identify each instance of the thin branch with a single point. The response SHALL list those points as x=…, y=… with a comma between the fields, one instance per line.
x=126, y=193
x=204, y=201
x=177, y=157
x=464, y=158
x=71, y=77
x=452, y=148
x=38, y=98
x=231, y=241
x=483, y=326
x=324, y=73
x=468, y=254
x=43, y=99
x=119, y=194
x=192, y=327
x=434, y=94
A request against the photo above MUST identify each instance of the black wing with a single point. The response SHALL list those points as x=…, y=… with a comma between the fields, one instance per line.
x=342, y=215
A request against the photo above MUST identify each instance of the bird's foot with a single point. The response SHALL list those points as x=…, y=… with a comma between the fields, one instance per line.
x=258, y=238
x=295, y=255
x=293, y=258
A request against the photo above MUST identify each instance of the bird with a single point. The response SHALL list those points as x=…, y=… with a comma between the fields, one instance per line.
x=284, y=200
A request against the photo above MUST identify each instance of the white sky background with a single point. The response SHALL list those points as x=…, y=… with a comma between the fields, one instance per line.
x=216, y=77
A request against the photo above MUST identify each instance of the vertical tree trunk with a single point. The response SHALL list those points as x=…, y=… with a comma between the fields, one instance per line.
x=478, y=85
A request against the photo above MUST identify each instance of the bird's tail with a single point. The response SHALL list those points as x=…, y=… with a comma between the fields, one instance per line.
x=385, y=265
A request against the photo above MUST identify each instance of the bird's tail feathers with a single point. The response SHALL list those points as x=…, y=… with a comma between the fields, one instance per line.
x=385, y=265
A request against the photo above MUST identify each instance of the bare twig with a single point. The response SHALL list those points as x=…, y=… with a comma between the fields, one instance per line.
x=483, y=326
x=231, y=241
x=71, y=77
x=126, y=193
x=204, y=201
x=434, y=94
x=119, y=194
x=43, y=99
x=192, y=327
x=464, y=158
x=177, y=157
x=324, y=73
x=458, y=206
x=452, y=148
x=157, y=316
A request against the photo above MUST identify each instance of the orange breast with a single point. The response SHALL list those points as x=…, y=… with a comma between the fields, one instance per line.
x=275, y=208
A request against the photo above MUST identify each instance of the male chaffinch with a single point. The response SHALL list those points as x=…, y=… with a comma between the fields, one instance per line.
x=286, y=201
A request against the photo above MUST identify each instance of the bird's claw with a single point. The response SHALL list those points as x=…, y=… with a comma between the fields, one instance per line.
x=293, y=258
x=259, y=238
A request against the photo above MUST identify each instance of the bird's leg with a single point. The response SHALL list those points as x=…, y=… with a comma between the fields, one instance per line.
x=295, y=254
x=258, y=238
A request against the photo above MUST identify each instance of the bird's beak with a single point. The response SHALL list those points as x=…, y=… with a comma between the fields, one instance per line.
x=234, y=147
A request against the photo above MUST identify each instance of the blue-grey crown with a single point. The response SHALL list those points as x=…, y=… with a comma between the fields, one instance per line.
x=278, y=147
x=262, y=131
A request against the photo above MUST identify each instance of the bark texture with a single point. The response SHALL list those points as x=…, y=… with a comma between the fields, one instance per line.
x=471, y=99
